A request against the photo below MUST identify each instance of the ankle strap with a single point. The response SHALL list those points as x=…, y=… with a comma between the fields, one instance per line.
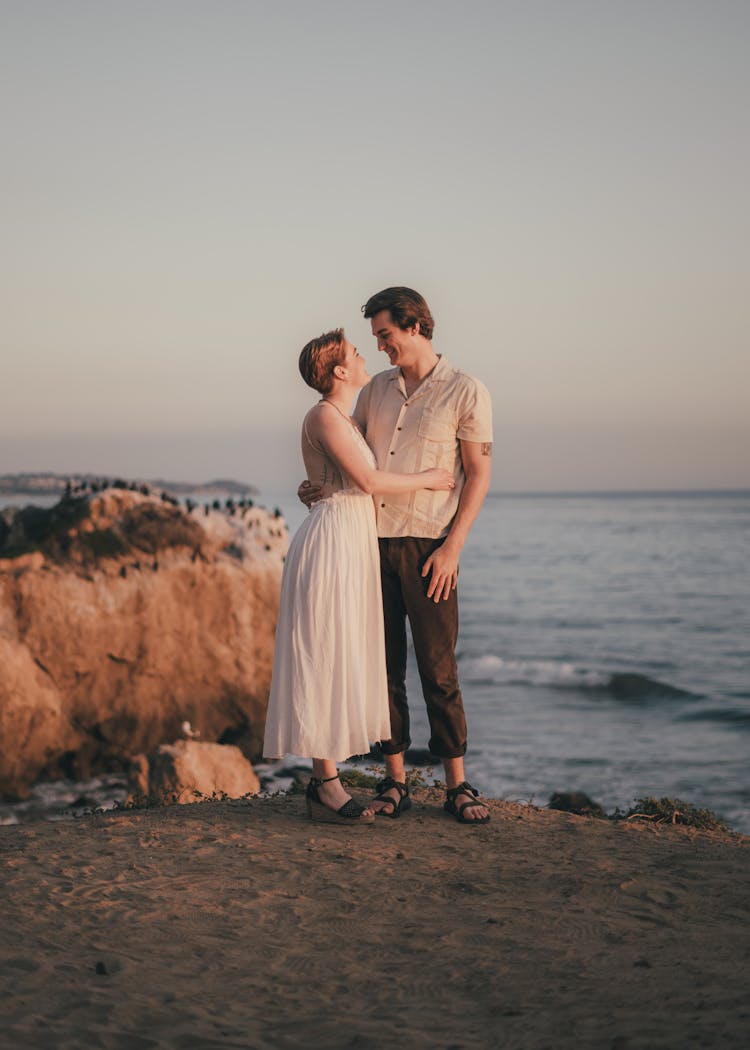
x=325, y=780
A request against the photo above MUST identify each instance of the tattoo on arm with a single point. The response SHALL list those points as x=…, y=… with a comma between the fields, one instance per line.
x=486, y=448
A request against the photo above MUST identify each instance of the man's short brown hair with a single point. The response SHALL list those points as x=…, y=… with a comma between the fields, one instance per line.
x=406, y=306
x=319, y=357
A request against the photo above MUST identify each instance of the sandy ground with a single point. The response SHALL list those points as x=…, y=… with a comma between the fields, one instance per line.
x=241, y=924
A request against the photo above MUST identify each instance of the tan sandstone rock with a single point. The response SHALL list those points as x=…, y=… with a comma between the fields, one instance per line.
x=188, y=771
x=117, y=633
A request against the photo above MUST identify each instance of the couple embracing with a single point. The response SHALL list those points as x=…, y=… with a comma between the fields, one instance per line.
x=393, y=491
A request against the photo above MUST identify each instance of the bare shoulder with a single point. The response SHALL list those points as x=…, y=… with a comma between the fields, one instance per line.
x=311, y=424
x=324, y=418
x=312, y=414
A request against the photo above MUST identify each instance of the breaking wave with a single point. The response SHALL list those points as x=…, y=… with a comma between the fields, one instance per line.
x=490, y=669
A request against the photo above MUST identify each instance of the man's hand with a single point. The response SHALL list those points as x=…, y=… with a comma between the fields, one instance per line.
x=443, y=564
x=309, y=493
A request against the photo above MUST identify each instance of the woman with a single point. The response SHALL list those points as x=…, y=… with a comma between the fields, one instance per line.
x=329, y=696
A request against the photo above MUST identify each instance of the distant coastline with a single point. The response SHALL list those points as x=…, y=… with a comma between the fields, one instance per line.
x=50, y=484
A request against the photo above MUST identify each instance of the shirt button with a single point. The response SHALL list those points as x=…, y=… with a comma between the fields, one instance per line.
x=393, y=453
x=398, y=428
x=382, y=504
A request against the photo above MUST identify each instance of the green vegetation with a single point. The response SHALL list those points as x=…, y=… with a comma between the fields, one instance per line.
x=170, y=798
x=43, y=529
x=672, y=811
x=418, y=778
x=103, y=543
x=355, y=778
x=658, y=811
x=56, y=531
x=151, y=527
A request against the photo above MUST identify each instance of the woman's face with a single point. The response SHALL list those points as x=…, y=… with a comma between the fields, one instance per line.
x=355, y=366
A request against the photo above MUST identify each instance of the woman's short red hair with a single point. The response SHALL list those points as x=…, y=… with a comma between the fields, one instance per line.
x=319, y=357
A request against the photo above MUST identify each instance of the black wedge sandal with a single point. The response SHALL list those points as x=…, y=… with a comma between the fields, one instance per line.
x=400, y=806
x=450, y=806
x=350, y=813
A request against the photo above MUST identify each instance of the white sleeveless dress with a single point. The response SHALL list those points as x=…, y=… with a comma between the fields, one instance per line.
x=329, y=694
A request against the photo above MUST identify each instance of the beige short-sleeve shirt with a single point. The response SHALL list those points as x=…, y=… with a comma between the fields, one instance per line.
x=409, y=433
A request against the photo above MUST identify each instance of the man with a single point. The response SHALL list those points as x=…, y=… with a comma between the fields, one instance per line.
x=420, y=413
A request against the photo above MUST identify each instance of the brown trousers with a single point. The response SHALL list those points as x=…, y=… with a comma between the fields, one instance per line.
x=434, y=629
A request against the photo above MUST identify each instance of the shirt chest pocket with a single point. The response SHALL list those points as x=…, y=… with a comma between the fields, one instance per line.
x=437, y=427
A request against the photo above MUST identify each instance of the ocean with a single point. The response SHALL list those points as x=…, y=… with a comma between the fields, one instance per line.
x=604, y=647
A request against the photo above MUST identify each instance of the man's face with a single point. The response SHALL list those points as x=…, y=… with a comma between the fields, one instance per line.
x=392, y=340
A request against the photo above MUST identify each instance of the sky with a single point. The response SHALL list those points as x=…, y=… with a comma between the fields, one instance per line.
x=191, y=191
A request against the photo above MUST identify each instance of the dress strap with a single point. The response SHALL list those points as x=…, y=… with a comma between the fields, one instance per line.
x=343, y=415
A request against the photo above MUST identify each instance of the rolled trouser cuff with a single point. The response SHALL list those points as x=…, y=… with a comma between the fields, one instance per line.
x=451, y=752
x=392, y=747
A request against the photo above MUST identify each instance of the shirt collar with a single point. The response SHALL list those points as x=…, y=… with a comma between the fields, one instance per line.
x=438, y=375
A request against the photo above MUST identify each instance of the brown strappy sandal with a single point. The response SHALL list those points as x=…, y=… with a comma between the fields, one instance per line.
x=400, y=806
x=450, y=806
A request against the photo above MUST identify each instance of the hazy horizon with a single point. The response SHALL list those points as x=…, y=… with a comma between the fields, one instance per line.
x=192, y=191
x=293, y=477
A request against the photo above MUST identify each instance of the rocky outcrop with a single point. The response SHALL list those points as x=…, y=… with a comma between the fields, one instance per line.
x=189, y=771
x=121, y=616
